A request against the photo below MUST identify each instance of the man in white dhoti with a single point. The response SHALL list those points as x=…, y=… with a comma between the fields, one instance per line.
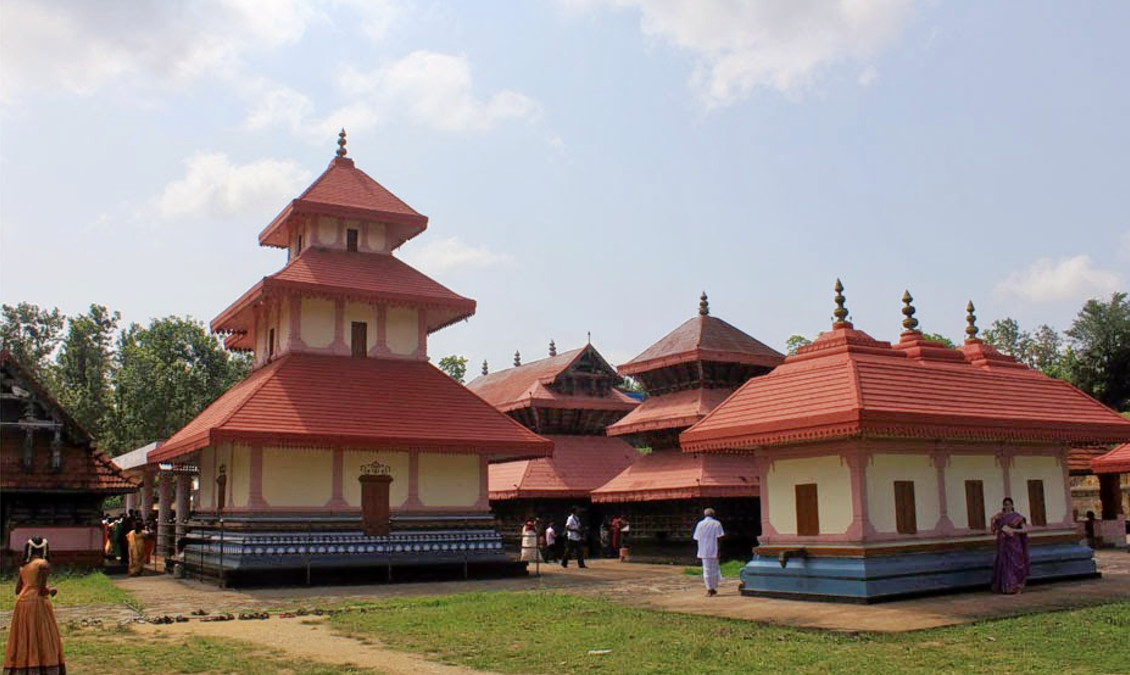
x=707, y=533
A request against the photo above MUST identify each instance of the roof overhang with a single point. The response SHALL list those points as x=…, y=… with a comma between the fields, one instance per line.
x=402, y=226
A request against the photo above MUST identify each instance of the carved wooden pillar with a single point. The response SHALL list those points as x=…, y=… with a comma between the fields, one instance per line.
x=375, y=508
x=164, y=513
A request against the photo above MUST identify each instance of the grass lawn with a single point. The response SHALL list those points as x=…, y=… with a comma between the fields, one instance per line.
x=730, y=569
x=75, y=588
x=553, y=633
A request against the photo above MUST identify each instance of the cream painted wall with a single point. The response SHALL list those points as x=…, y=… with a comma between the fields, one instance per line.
x=358, y=311
x=883, y=471
x=833, y=490
x=972, y=467
x=207, y=478
x=297, y=477
x=284, y=325
x=403, y=330
x=239, y=476
x=1038, y=467
x=449, y=480
x=397, y=463
x=328, y=229
x=317, y=327
x=378, y=241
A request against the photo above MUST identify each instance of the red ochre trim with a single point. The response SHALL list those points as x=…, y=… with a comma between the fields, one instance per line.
x=696, y=492
x=1115, y=461
x=695, y=355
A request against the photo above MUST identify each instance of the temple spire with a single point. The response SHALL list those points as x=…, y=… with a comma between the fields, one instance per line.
x=971, y=329
x=841, y=312
x=341, y=151
x=703, y=305
x=909, y=323
x=517, y=358
x=552, y=347
x=486, y=370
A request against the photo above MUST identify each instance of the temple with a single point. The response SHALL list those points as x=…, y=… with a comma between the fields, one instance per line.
x=1111, y=468
x=52, y=479
x=344, y=449
x=570, y=398
x=686, y=374
x=881, y=465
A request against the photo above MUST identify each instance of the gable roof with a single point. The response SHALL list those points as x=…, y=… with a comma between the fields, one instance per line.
x=676, y=410
x=527, y=385
x=307, y=399
x=344, y=191
x=676, y=475
x=578, y=465
x=703, y=338
x=847, y=384
x=1115, y=461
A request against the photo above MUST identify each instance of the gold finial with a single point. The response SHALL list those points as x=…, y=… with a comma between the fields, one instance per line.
x=486, y=371
x=517, y=358
x=552, y=348
x=841, y=312
x=909, y=323
x=341, y=151
x=703, y=305
x=971, y=329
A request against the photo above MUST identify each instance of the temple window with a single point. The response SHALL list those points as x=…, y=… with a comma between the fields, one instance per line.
x=906, y=517
x=270, y=343
x=807, y=510
x=1039, y=513
x=359, y=338
x=351, y=239
x=975, y=504
x=299, y=244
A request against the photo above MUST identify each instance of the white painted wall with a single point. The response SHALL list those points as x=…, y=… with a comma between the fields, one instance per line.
x=882, y=472
x=833, y=488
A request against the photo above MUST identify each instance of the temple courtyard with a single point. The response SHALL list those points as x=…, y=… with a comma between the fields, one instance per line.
x=611, y=617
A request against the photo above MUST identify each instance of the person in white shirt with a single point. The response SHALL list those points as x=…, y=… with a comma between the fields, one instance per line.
x=573, y=540
x=550, y=542
x=707, y=533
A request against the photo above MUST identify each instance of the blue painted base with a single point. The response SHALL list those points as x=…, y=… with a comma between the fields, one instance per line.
x=881, y=578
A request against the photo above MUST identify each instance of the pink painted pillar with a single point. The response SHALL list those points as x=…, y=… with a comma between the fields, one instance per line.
x=294, y=341
x=339, y=347
x=147, y=493
x=337, y=501
x=413, y=502
x=768, y=532
x=381, y=347
x=858, y=495
x=422, y=334
x=255, y=499
x=484, y=484
x=940, y=459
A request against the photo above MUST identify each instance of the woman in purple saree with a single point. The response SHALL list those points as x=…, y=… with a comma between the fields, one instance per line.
x=1010, y=569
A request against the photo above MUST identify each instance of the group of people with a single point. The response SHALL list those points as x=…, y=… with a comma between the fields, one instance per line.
x=545, y=544
x=615, y=536
x=128, y=538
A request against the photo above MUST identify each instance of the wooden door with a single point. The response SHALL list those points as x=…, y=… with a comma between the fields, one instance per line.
x=1039, y=515
x=359, y=339
x=807, y=510
x=975, y=504
x=906, y=514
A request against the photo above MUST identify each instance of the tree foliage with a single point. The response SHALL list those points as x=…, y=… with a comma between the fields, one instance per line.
x=31, y=334
x=795, y=342
x=938, y=337
x=1043, y=349
x=1100, y=350
x=82, y=379
x=455, y=366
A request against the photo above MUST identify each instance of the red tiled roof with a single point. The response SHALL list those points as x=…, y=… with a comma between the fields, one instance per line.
x=344, y=191
x=1079, y=457
x=676, y=475
x=848, y=384
x=1115, y=461
x=306, y=399
x=578, y=465
x=677, y=410
x=371, y=276
x=703, y=338
x=525, y=385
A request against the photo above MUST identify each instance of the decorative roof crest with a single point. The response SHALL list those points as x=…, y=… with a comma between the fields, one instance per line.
x=971, y=329
x=841, y=312
x=341, y=151
x=486, y=370
x=703, y=305
x=517, y=358
x=909, y=323
x=552, y=347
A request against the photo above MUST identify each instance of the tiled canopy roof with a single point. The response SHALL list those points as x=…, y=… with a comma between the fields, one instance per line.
x=345, y=191
x=578, y=464
x=305, y=399
x=677, y=410
x=363, y=276
x=1115, y=461
x=675, y=475
x=526, y=385
x=848, y=384
x=703, y=338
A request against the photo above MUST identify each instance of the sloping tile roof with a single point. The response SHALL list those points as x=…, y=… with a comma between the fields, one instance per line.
x=578, y=464
x=1079, y=457
x=1115, y=461
x=848, y=384
x=703, y=338
x=676, y=475
x=306, y=399
x=676, y=410
x=525, y=385
x=370, y=276
x=345, y=191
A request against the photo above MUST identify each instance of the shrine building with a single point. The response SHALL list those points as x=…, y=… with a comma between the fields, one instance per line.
x=686, y=374
x=882, y=465
x=569, y=398
x=344, y=449
x=1112, y=469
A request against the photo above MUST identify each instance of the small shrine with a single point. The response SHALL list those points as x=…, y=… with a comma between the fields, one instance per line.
x=341, y=389
x=882, y=465
x=1112, y=469
x=686, y=374
x=52, y=479
x=569, y=398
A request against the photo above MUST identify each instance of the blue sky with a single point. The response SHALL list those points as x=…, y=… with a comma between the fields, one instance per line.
x=586, y=165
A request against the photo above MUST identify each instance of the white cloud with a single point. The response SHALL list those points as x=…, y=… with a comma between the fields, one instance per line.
x=1048, y=280
x=451, y=253
x=784, y=45
x=213, y=186
x=869, y=75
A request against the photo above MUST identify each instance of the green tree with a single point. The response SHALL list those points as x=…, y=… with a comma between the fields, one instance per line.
x=795, y=342
x=31, y=334
x=455, y=366
x=1043, y=350
x=1006, y=336
x=1100, y=345
x=938, y=337
x=85, y=368
x=631, y=384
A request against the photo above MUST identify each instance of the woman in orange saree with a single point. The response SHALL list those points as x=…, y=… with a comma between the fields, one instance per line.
x=34, y=647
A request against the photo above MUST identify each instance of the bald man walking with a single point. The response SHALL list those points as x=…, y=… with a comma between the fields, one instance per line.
x=707, y=533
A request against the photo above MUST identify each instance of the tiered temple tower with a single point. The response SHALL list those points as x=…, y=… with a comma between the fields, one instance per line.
x=341, y=388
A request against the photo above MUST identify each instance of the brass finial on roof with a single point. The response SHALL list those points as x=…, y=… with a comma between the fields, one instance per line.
x=552, y=347
x=909, y=323
x=971, y=329
x=341, y=151
x=841, y=312
x=703, y=305
x=486, y=370
x=517, y=358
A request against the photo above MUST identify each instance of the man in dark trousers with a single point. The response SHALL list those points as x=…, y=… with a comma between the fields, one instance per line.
x=573, y=540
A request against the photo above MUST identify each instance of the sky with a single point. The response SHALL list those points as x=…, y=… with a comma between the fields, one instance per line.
x=587, y=166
